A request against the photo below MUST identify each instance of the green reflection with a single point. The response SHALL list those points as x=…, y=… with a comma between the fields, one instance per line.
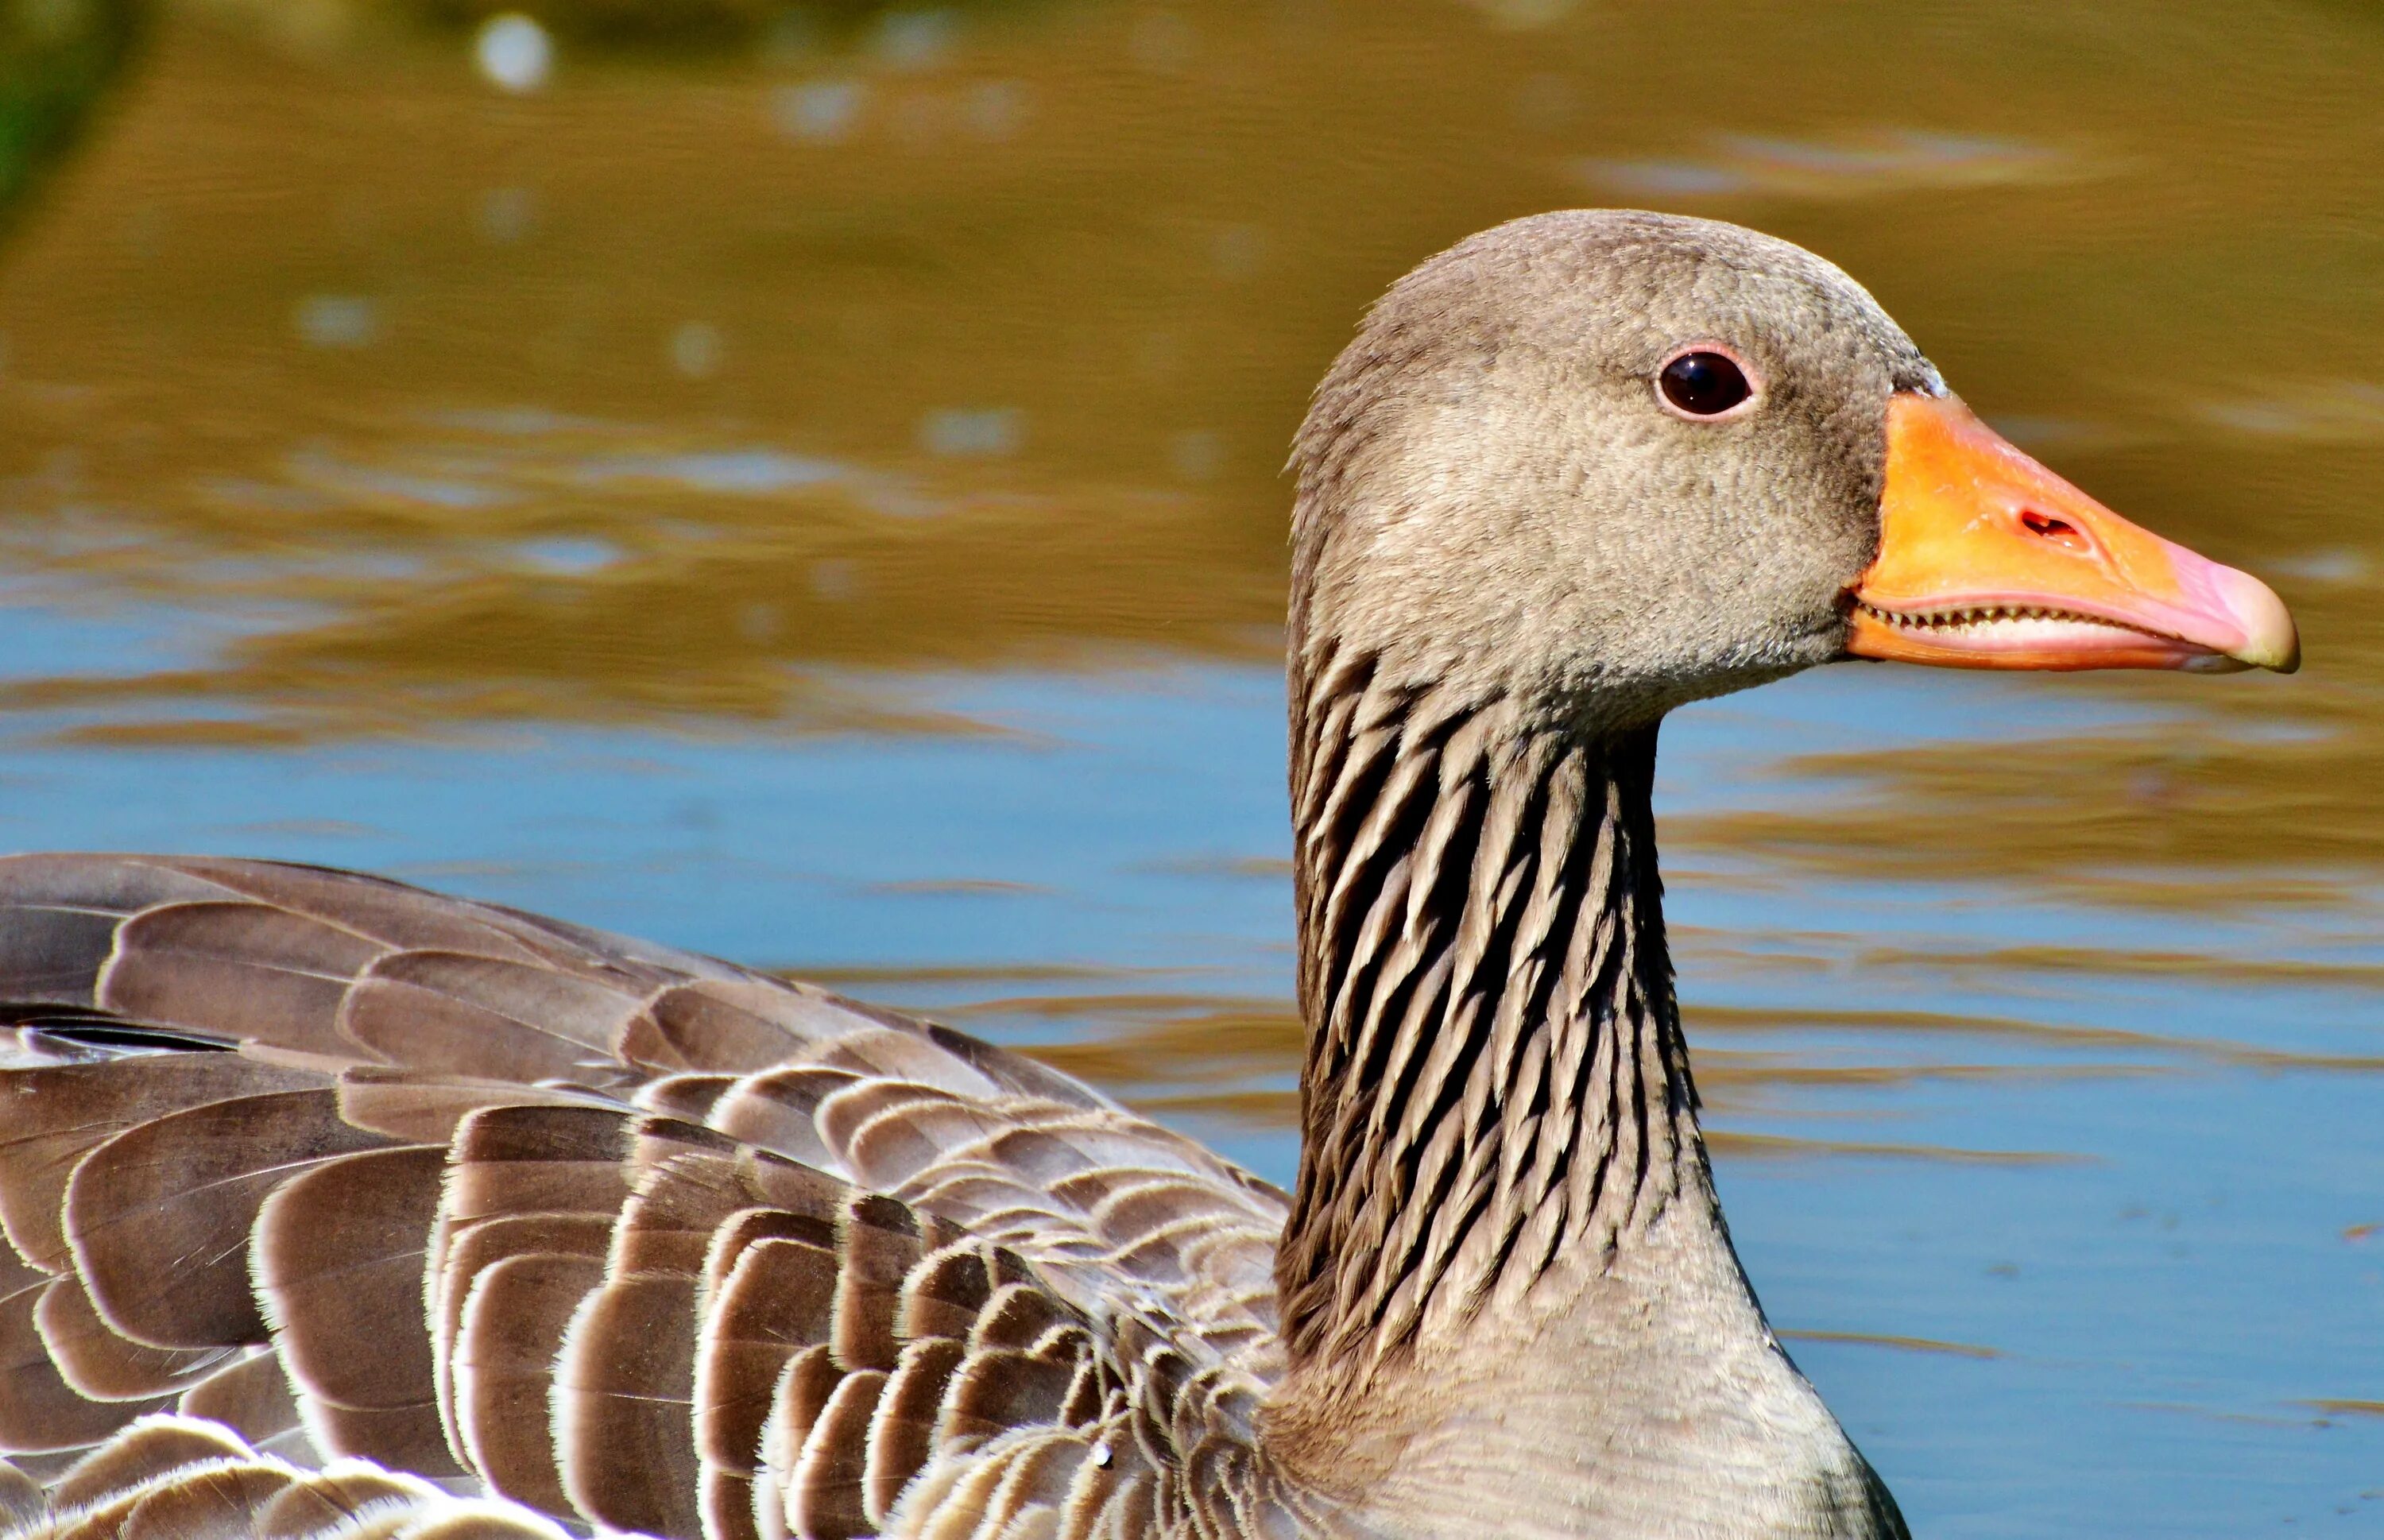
x=56, y=56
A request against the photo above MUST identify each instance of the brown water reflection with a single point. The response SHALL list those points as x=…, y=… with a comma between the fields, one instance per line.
x=1904, y=1344
x=650, y=394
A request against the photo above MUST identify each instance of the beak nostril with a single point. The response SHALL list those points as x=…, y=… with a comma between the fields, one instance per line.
x=2058, y=530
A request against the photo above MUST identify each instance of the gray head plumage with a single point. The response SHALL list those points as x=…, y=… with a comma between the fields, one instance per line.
x=1491, y=495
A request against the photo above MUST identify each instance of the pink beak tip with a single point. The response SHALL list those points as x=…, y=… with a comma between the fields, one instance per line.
x=2271, y=639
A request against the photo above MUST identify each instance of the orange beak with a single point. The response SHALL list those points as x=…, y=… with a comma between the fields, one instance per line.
x=1988, y=559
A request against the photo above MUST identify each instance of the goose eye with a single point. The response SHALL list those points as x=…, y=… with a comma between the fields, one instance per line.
x=1703, y=384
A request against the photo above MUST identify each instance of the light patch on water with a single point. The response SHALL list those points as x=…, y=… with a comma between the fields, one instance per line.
x=516, y=421
x=819, y=112
x=1197, y=455
x=2350, y=411
x=695, y=349
x=835, y=580
x=513, y=53
x=336, y=320
x=996, y=109
x=973, y=432
x=915, y=39
x=569, y=556
x=754, y=472
x=322, y=470
x=507, y=214
x=2338, y=565
x=1523, y=15
x=1893, y=160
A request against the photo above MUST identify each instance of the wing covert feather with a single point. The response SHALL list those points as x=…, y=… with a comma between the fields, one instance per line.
x=332, y=1205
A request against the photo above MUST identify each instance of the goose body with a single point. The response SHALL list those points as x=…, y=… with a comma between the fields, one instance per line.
x=335, y=1208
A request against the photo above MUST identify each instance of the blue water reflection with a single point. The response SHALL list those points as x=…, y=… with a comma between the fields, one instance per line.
x=2115, y=1216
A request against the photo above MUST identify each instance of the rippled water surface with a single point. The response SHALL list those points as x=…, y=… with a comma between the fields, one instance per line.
x=806, y=489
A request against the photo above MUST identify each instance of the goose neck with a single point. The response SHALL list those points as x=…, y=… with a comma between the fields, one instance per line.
x=1509, y=1303
x=1495, y=1095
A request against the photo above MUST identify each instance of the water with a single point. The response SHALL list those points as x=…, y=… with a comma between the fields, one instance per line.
x=808, y=491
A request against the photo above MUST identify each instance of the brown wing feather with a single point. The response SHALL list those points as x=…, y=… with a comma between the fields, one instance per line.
x=184, y=1190
x=337, y=1263
x=622, y=1233
x=99, y=1363
x=251, y=1398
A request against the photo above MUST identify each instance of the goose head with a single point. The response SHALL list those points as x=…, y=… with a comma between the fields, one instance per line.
x=1608, y=462
x=1571, y=473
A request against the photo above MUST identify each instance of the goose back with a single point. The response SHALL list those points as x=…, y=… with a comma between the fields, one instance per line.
x=306, y=1167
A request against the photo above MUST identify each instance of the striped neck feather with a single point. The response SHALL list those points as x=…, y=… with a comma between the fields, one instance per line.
x=1496, y=1082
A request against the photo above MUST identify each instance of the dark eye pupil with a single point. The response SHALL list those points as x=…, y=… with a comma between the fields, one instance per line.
x=1702, y=384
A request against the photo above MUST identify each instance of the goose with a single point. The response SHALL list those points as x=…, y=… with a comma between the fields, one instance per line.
x=336, y=1208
